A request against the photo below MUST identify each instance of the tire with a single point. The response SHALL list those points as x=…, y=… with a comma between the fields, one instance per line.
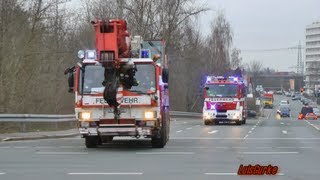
x=160, y=142
x=91, y=141
x=207, y=122
x=238, y=122
x=106, y=139
x=244, y=121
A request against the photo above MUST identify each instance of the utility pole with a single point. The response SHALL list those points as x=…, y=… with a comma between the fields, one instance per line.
x=299, y=60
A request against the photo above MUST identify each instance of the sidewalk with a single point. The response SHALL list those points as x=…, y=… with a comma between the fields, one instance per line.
x=38, y=135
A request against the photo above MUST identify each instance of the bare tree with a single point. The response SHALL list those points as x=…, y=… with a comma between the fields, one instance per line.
x=254, y=68
x=236, y=60
x=218, y=46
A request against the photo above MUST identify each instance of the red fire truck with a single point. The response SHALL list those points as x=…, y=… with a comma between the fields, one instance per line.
x=121, y=87
x=224, y=100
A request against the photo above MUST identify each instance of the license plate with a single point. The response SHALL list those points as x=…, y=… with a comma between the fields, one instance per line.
x=220, y=114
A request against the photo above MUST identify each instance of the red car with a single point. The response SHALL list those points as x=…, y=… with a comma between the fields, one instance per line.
x=307, y=113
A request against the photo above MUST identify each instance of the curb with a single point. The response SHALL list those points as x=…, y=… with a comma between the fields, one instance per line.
x=40, y=137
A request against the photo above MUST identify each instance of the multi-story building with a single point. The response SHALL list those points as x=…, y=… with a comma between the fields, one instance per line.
x=312, y=61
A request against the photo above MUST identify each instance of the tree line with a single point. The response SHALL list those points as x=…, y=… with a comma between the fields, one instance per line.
x=40, y=38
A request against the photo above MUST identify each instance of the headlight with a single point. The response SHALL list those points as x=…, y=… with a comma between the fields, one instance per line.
x=85, y=115
x=91, y=54
x=149, y=114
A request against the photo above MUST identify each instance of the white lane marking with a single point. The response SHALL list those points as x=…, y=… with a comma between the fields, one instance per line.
x=221, y=174
x=250, y=132
x=282, y=123
x=315, y=127
x=241, y=147
x=222, y=147
x=214, y=131
x=263, y=147
x=285, y=132
x=212, y=138
x=5, y=147
x=202, y=138
x=245, y=136
x=252, y=129
x=179, y=131
x=2, y=173
x=106, y=173
x=271, y=152
x=312, y=125
x=62, y=153
x=304, y=147
x=66, y=146
x=184, y=122
x=164, y=153
x=189, y=128
x=197, y=125
x=20, y=147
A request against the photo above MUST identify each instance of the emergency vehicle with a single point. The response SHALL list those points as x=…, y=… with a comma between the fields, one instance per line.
x=224, y=100
x=121, y=87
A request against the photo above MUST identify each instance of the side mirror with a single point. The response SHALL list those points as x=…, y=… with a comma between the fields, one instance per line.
x=71, y=82
x=165, y=75
x=70, y=73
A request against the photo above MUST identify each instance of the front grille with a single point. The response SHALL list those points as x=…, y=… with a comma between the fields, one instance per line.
x=221, y=116
x=222, y=111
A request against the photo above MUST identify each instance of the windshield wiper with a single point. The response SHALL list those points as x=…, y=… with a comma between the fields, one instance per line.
x=137, y=91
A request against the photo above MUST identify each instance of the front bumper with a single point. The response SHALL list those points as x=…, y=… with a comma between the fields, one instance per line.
x=230, y=115
x=116, y=131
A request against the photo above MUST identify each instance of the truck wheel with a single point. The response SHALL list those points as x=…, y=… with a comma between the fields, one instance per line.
x=160, y=142
x=238, y=122
x=207, y=122
x=91, y=141
x=106, y=139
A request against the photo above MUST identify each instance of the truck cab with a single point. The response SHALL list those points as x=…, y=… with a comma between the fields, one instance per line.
x=224, y=100
x=267, y=100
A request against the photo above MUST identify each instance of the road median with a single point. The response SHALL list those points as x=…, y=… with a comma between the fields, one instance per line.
x=38, y=135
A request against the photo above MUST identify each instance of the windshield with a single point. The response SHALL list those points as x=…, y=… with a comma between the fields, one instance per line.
x=267, y=99
x=284, y=109
x=222, y=90
x=145, y=77
x=94, y=76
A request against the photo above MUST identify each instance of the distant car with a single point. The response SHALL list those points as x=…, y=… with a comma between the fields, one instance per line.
x=311, y=116
x=287, y=94
x=252, y=113
x=316, y=111
x=306, y=101
x=307, y=113
x=312, y=104
x=297, y=97
x=284, y=103
x=284, y=111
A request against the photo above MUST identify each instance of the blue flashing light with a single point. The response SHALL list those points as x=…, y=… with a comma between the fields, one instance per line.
x=144, y=54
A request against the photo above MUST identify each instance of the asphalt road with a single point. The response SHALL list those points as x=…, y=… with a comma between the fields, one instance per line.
x=194, y=151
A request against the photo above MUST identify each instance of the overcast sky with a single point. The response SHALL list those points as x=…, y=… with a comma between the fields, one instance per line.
x=266, y=24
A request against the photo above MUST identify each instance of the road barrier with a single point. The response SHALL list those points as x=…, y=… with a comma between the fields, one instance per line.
x=69, y=117
x=25, y=122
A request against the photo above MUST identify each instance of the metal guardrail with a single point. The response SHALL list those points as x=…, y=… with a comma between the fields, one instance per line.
x=68, y=117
